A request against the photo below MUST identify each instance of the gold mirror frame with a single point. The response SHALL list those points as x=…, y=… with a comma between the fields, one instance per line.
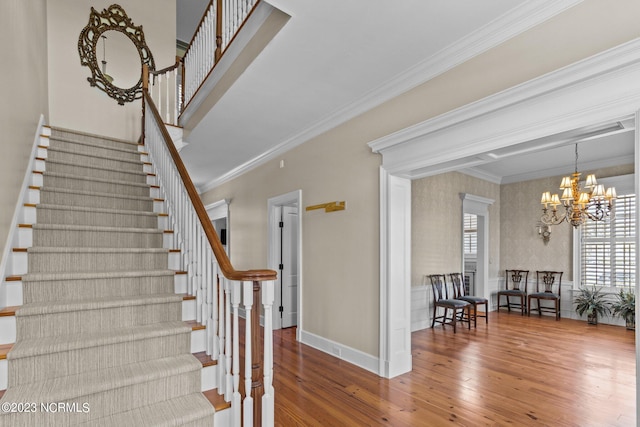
x=114, y=18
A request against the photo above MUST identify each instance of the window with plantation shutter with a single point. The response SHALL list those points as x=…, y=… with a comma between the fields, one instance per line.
x=470, y=234
x=608, y=250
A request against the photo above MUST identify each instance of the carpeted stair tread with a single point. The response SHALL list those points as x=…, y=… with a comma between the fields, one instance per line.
x=43, y=308
x=190, y=410
x=124, y=149
x=96, y=210
x=93, y=193
x=59, y=132
x=68, y=388
x=123, y=171
x=93, y=179
x=99, y=156
x=53, y=249
x=69, y=227
x=60, y=343
x=35, y=277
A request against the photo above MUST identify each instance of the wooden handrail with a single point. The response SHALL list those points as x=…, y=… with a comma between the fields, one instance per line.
x=221, y=256
x=165, y=70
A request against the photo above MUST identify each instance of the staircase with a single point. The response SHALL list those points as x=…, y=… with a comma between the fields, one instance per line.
x=101, y=331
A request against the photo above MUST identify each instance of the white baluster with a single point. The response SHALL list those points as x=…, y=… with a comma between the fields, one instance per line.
x=209, y=299
x=235, y=400
x=214, y=315
x=247, y=300
x=176, y=92
x=268, y=409
x=227, y=343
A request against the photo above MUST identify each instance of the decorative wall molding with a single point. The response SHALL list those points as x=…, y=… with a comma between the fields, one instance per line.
x=509, y=25
x=594, y=91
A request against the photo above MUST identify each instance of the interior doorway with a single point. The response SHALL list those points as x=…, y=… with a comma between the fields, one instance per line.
x=285, y=257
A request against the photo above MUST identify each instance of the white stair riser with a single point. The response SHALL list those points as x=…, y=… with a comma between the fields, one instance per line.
x=14, y=293
x=4, y=369
x=167, y=241
x=28, y=215
x=181, y=284
x=209, y=378
x=42, y=153
x=37, y=179
x=18, y=264
x=33, y=196
x=174, y=260
x=158, y=207
x=40, y=165
x=25, y=238
x=7, y=329
x=222, y=418
x=189, y=309
x=198, y=340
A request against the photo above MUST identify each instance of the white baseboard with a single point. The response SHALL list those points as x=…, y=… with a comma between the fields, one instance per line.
x=348, y=354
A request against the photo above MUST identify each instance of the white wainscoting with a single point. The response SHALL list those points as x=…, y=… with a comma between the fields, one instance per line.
x=421, y=297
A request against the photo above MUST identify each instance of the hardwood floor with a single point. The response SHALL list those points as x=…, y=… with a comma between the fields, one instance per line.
x=516, y=370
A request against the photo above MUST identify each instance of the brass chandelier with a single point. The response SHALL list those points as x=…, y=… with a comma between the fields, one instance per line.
x=592, y=204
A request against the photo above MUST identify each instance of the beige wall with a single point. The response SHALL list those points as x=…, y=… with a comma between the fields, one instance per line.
x=23, y=30
x=72, y=102
x=520, y=210
x=340, y=259
x=436, y=223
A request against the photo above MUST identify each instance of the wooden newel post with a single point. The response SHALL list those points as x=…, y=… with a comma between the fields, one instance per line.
x=218, y=52
x=257, y=356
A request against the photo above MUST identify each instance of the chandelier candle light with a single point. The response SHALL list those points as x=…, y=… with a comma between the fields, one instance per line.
x=594, y=203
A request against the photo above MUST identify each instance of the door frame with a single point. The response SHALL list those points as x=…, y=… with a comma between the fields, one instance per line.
x=597, y=90
x=273, y=235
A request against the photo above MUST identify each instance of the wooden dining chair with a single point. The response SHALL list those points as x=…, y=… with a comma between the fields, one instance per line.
x=548, y=288
x=515, y=287
x=459, y=292
x=441, y=299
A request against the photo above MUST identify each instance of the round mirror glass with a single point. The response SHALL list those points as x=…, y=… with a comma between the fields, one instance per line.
x=118, y=59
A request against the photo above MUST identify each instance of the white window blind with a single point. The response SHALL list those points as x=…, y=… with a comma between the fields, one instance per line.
x=470, y=234
x=608, y=250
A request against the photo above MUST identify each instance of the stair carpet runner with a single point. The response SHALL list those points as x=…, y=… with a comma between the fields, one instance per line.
x=100, y=331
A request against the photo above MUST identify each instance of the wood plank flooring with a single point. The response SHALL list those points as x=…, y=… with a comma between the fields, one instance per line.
x=516, y=371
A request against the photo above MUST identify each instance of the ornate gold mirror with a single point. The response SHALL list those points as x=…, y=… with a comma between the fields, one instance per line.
x=111, y=31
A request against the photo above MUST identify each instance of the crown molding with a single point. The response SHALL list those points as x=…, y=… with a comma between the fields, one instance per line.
x=598, y=90
x=505, y=27
x=589, y=68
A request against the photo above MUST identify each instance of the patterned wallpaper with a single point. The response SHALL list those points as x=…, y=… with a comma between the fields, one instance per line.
x=436, y=215
x=514, y=242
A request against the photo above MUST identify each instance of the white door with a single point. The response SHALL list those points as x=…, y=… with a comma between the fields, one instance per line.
x=289, y=266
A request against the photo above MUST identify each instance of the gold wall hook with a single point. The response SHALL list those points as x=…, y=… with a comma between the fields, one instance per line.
x=329, y=207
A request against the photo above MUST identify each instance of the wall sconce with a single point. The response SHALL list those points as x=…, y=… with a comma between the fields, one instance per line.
x=544, y=231
x=329, y=207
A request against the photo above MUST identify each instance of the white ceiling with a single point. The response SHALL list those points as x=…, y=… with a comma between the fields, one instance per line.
x=328, y=57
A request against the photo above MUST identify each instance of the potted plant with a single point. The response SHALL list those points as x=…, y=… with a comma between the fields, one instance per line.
x=625, y=307
x=593, y=302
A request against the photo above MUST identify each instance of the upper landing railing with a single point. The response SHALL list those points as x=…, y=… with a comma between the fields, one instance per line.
x=174, y=87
